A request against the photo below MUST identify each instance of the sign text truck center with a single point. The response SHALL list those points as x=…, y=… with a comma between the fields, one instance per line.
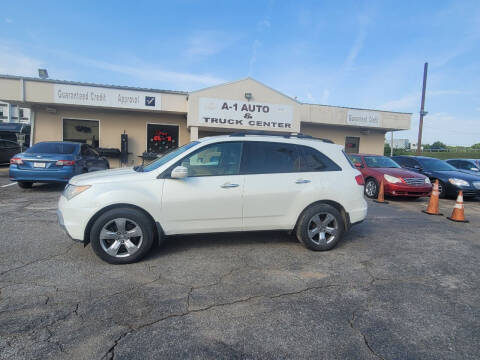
x=158, y=120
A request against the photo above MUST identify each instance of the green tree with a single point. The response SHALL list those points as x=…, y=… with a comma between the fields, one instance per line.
x=476, y=146
x=439, y=145
x=386, y=149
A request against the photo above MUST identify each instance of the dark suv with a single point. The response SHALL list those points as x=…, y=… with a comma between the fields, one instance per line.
x=450, y=179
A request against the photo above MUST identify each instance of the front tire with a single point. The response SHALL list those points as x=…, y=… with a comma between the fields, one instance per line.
x=122, y=236
x=25, y=184
x=371, y=188
x=320, y=227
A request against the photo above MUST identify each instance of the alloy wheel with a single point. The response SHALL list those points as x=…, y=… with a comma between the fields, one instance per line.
x=121, y=237
x=322, y=228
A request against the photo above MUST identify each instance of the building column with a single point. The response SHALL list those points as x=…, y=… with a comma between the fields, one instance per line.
x=193, y=133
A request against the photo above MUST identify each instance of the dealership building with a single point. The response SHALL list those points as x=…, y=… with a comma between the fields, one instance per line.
x=158, y=120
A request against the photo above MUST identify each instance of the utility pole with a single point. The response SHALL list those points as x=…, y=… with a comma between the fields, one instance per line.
x=422, y=111
x=391, y=144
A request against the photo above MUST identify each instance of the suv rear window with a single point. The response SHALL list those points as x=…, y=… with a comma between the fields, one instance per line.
x=314, y=160
x=52, y=148
x=269, y=157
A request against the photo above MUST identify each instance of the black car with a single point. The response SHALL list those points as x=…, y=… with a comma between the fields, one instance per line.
x=7, y=150
x=450, y=180
x=470, y=166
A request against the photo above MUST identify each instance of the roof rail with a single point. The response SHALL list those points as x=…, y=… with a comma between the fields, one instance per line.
x=284, y=135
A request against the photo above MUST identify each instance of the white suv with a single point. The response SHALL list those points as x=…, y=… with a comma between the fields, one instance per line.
x=238, y=182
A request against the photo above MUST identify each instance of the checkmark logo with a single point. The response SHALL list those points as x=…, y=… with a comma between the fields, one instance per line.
x=149, y=100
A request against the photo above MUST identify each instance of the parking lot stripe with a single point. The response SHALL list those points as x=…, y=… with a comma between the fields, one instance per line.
x=8, y=185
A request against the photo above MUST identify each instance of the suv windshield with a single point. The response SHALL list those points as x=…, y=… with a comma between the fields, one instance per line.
x=436, y=165
x=166, y=157
x=380, y=162
x=52, y=148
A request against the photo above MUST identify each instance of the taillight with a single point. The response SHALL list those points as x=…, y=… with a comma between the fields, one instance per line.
x=65, y=162
x=359, y=179
x=16, y=161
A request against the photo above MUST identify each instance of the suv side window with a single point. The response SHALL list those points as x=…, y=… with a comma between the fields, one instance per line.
x=313, y=160
x=269, y=158
x=213, y=160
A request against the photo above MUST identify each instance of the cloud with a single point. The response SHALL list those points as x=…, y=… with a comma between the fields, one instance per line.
x=412, y=101
x=207, y=43
x=155, y=73
x=14, y=62
x=358, y=43
x=263, y=25
x=253, y=58
x=325, y=96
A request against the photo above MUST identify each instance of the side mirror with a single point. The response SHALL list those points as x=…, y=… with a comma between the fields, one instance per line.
x=180, y=172
x=358, y=165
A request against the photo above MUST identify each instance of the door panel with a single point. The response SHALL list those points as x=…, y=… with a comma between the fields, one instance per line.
x=210, y=198
x=271, y=201
x=202, y=204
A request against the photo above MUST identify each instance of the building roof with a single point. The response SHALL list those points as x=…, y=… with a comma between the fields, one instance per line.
x=66, y=82
x=186, y=93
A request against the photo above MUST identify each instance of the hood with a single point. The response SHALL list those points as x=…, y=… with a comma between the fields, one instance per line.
x=452, y=174
x=104, y=176
x=471, y=172
x=399, y=172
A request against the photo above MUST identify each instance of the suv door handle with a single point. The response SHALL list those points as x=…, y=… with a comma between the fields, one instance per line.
x=228, y=185
x=302, y=181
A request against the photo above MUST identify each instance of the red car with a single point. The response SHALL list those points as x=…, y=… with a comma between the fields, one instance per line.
x=396, y=180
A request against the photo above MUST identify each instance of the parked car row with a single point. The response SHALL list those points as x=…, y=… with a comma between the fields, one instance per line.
x=412, y=175
x=54, y=161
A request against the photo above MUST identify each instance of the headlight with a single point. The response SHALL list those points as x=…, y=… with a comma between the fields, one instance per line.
x=392, y=179
x=72, y=190
x=427, y=181
x=458, y=182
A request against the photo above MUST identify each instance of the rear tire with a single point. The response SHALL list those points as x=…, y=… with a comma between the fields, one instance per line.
x=320, y=227
x=122, y=235
x=25, y=184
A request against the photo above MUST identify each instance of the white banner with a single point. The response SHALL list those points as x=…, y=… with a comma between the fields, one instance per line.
x=98, y=96
x=363, y=118
x=245, y=115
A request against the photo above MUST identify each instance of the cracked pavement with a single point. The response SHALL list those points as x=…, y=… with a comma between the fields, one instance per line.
x=400, y=285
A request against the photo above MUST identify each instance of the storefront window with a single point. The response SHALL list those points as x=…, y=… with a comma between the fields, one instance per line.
x=84, y=131
x=161, y=138
x=352, y=144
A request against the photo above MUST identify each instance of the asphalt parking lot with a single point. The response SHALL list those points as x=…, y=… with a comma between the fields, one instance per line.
x=401, y=285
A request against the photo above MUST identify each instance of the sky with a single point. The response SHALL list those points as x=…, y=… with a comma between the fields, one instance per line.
x=348, y=53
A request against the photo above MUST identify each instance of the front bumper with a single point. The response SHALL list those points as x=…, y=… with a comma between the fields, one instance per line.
x=407, y=190
x=452, y=190
x=73, y=219
x=57, y=175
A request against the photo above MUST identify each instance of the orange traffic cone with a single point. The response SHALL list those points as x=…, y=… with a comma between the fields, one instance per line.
x=432, y=208
x=381, y=197
x=457, y=213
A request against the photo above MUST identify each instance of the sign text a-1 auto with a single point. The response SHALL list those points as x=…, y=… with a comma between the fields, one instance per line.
x=240, y=114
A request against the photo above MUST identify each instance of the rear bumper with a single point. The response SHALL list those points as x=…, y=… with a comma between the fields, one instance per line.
x=407, y=190
x=57, y=175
